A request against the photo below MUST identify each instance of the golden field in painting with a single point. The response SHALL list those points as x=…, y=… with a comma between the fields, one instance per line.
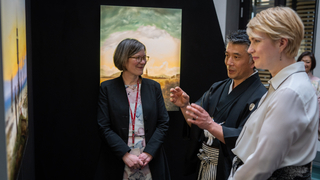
x=166, y=84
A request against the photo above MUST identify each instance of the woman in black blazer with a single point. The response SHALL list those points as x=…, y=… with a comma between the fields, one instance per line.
x=132, y=119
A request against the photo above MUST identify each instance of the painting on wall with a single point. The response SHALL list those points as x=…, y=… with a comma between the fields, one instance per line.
x=14, y=82
x=159, y=29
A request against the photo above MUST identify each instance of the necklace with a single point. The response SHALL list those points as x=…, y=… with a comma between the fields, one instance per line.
x=133, y=87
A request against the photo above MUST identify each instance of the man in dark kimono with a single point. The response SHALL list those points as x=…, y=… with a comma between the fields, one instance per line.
x=216, y=119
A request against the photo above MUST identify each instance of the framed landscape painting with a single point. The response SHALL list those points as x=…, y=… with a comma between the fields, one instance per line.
x=159, y=29
x=14, y=95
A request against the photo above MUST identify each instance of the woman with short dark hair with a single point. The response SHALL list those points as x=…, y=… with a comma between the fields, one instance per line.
x=132, y=118
x=309, y=64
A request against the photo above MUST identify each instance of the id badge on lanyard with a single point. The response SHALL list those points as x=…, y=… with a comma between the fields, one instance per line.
x=133, y=117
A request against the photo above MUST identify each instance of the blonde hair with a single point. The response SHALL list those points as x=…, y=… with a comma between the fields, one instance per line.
x=277, y=23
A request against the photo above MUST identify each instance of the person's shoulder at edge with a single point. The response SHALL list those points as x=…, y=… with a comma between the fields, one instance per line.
x=149, y=81
x=108, y=82
x=316, y=78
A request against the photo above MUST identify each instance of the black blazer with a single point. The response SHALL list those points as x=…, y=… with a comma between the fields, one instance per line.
x=113, y=122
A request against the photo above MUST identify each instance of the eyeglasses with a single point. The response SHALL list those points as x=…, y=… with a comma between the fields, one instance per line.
x=139, y=58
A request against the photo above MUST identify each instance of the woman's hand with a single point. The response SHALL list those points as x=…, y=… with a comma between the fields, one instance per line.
x=145, y=158
x=132, y=161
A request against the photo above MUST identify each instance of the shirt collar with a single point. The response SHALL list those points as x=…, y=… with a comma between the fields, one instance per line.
x=285, y=73
x=231, y=85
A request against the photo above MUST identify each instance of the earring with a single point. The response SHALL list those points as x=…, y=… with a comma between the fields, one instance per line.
x=280, y=57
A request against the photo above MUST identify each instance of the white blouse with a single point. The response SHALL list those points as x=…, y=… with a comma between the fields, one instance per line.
x=283, y=129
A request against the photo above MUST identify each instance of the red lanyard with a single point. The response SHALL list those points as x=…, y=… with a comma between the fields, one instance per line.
x=133, y=117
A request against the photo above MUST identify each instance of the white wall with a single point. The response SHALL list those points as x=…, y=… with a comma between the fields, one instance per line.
x=227, y=10
x=221, y=9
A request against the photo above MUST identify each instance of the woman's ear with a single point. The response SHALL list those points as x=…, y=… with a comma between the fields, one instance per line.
x=283, y=42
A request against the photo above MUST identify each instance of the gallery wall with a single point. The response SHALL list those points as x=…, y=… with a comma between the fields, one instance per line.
x=63, y=41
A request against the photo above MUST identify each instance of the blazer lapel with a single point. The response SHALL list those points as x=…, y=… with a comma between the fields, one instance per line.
x=144, y=100
x=120, y=95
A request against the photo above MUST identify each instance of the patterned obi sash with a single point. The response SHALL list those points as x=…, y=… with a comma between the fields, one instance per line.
x=209, y=161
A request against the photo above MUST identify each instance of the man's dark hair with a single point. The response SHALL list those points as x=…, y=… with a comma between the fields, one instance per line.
x=238, y=37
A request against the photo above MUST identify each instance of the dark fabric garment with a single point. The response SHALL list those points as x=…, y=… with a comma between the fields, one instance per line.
x=233, y=109
x=113, y=122
x=292, y=173
x=285, y=173
x=237, y=162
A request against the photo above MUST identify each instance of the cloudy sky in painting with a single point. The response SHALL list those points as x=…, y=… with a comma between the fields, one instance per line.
x=12, y=18
x=158, y=29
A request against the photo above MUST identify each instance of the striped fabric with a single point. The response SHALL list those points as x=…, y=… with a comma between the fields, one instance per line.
x=209, y=161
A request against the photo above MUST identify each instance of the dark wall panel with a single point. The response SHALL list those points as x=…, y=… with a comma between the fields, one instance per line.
x=65, y=36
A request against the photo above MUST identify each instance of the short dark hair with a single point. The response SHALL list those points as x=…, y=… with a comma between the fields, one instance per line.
x=238, y=37
x=125, y=49
x=311, y=55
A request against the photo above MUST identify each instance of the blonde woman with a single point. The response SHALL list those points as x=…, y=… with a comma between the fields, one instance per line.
x=279, y=138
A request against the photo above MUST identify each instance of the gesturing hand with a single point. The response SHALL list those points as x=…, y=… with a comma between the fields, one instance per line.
x=145, y=158
x=132, y=161
x=179, y=97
